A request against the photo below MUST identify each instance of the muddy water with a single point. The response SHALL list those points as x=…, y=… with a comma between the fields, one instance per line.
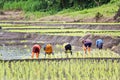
x=13, y=52
x=24, y=52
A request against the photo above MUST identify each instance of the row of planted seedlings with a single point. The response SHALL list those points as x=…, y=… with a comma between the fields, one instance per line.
x=80, y=54
x=57, y=30
x=59, y=52
x=60, y=70
x=62, y=31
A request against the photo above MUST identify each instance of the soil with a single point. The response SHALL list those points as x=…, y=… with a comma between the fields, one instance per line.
x=12, y=15
x=20, y=16
x=69, y=19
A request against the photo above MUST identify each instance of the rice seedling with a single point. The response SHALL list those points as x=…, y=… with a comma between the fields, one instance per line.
x=52, y=70
x=60, y=30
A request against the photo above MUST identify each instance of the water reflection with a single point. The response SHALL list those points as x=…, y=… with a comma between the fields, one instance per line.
x=14, y=52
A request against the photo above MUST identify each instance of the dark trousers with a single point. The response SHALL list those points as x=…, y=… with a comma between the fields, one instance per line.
x=100, y=46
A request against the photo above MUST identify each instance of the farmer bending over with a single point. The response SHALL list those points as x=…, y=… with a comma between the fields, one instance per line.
x=87, y=45
x=99, y=43
x=48, y=49
x=68, y=47
x=35, y=49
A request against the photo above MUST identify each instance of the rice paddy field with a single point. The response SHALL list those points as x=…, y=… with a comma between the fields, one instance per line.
x=79, y=68
x=10, y=52
x=60, y=70
x=61, y=30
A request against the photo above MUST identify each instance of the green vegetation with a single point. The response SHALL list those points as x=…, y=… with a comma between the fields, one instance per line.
x=94, y=54
x=60, y=70
x=107, y=10
x=49, y=5
x=73, y=8
x=70, y=32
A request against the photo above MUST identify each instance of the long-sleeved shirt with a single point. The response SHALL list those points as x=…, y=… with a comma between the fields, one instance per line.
x=99, y=41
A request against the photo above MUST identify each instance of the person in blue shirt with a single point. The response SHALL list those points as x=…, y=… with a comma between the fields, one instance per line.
x=99, y=43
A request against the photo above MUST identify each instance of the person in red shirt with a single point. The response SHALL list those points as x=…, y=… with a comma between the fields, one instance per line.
x=36, y=49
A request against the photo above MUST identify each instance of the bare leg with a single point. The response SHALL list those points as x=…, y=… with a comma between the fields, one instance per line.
x=37, y=55
x=71, y=52
x=85, y=49
x=89, y=49
x=32, y=55
x=66, y=53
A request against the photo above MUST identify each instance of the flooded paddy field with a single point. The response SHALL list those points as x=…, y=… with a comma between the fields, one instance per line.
x=24, y=52
x=16, y=40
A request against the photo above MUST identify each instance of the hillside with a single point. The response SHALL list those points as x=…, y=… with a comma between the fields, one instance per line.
x=102, y=13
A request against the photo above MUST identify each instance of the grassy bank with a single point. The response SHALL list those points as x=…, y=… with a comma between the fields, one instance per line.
x=107, y=10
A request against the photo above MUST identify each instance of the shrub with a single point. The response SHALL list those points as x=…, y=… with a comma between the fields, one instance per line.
x=1, y=12
x=98, y=16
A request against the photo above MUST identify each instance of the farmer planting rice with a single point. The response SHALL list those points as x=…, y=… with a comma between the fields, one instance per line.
x=99, y=43
x=36, y=49
x=48, y=49
x=87, y=43
x=68, y=48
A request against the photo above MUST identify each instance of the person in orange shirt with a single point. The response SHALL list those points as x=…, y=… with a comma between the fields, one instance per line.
x=36, y=49
x=48, y=49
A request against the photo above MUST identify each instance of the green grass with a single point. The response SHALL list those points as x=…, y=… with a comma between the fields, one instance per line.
x=35, y=15
x=108, y=10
